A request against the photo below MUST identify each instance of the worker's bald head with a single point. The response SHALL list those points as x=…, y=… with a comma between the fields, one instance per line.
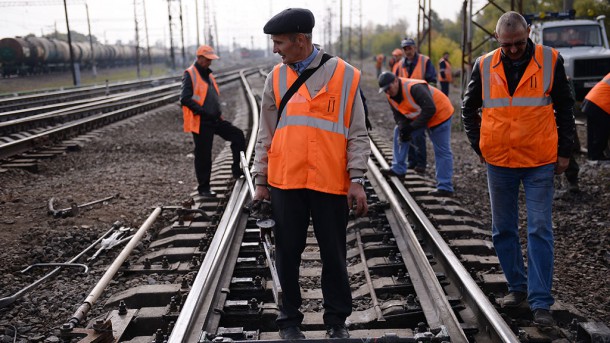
x=511, y=22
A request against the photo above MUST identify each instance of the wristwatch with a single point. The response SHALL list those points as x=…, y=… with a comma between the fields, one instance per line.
x=359, y=180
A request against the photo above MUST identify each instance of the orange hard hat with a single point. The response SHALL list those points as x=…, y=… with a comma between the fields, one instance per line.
x=397, y=52
x=207, y=52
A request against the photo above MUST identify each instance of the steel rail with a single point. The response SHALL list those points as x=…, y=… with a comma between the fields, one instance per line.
x=77, y=127
x=434, y=303
x=19, y=101
x=488, y=318
x=54, y=110
x=197, y=305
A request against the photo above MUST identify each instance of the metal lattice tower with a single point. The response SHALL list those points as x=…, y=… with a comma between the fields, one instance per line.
x=424, y=14
x=469, y=24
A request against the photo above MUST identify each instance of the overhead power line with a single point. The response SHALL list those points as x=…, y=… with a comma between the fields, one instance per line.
x=39, y=3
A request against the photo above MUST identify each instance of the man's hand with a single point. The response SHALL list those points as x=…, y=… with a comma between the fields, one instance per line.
x=260, y=206
x=356, y=199
x=562, y=164
x=261, y=193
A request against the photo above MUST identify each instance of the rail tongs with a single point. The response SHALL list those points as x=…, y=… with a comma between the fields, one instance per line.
x=265, y=224
x=74, y=209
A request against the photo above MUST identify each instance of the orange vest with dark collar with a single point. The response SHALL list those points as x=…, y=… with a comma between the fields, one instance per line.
x=419, y=71
x=411, y=110
x=519, y=131
x=200, y=90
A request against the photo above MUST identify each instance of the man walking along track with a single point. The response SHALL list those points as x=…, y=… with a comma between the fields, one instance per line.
x=310, y=159
x=525, y=135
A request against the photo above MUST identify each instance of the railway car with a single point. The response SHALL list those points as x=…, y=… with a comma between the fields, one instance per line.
x=35, y=55
x=15, y=55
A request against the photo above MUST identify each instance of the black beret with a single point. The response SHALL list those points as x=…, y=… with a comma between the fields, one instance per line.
x=290, y=20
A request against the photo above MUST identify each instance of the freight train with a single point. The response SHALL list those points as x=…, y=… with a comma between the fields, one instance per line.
x=35, y=55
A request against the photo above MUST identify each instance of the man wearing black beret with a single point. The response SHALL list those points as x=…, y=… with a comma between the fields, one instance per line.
x=310, y=158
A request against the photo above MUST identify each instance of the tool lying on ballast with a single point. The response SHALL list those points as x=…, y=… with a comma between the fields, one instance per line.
x=74, y=209
x=261, y=210
x=115, y=239
x=11, y=299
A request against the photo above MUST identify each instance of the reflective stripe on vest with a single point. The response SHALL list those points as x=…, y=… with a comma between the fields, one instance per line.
x=191, y=120
x=488, y=102
x=448, y=76
x=600, y=94
x=411, y=110
x=419, y=71
x=309, y=146
x=519, y=131
x=318, y=123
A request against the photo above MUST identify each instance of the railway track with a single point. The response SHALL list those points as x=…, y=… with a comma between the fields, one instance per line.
x=67, y=114
x=421, y=270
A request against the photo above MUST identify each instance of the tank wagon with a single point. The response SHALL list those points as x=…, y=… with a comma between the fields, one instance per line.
x=37, y=55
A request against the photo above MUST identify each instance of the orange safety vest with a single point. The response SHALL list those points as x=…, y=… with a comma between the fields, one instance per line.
x=519, y=131
x=600, y=94
x=379, y=60
x=411, y=110
x=200, y=91
x=448, y=77
x=419, y=71
x=309, y=147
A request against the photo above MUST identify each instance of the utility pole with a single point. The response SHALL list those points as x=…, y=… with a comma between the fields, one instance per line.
x=182, y=35
x=171, y=36
x=217, y=43
x=93, y=68
x=329, y=28
x=135, y=19
x=75, y=79
x=349, y=32
x=150, y=66
x=340, y=28
x=361, y=40
x=197, y=20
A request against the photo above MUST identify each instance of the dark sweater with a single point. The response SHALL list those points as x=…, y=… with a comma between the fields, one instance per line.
x=210, y=111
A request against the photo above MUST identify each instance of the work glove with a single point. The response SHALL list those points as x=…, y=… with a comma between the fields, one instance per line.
x=405, y=133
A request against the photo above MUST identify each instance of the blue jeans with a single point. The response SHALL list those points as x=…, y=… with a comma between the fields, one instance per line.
x=538, y=185
x=418, y=156
x=440, y=136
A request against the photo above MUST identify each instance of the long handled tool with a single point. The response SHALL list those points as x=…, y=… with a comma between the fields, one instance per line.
x=265, y=225
x=11, y=299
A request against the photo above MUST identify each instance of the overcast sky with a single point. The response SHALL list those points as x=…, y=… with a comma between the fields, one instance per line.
x=238, y=21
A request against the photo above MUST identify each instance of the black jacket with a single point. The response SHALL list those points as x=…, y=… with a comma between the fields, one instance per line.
x=210, y=111
x=561, y=95
x=421, y=96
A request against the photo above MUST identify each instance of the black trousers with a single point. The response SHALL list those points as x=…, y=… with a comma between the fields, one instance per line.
x=573, y=167
x=445, y=87
x=203, y=149
x=598, y=133
x=329, y=213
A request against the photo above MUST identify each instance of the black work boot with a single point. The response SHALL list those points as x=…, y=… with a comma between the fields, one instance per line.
x=337, y=331
x=291, y=332
x=514, y=299
x=543, y=317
